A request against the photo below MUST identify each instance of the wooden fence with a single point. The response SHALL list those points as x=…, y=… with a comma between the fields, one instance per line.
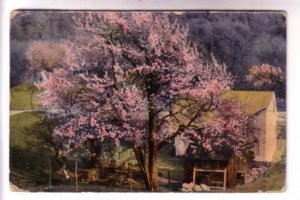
x=213, y=184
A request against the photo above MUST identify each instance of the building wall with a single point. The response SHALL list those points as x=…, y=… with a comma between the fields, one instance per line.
x=260, y=126
x=271, y=136
x=265, y=122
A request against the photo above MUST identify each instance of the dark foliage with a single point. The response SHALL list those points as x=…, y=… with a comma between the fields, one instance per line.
x=238, y=39
x=27, y=26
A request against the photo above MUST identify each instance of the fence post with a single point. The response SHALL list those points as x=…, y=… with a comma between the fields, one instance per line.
x=224, y=183
x=50, y=173
x=130, y=174
x=194, y=175
x=76, y=175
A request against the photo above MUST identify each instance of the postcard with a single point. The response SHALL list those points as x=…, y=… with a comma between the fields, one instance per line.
x=147, y=101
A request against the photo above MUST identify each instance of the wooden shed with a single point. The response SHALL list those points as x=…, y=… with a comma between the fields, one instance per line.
x=220, y=171
x=260, y=106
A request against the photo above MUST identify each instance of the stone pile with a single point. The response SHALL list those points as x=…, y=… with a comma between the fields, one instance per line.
x=191, y=187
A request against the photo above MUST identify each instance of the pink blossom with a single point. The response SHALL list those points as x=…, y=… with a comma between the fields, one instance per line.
x=123, y=83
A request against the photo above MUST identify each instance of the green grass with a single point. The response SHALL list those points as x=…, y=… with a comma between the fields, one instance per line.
x=164, y=160
x=21, y=97
x=18, y=124
x=274, y=181
x=29, y=152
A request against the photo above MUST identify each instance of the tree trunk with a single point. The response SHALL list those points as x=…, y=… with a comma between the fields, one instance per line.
x=152, y=151
x=153, y=172
x=149, y=166
x=31, y=97
x=141, y=159
x=76, y=175
x=149, y=170
x=50, y=173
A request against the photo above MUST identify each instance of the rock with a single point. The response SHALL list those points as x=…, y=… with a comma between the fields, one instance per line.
x=185, y=190
x=187, y=187
x=205, y=187
x=197, y=188
x=191, y=187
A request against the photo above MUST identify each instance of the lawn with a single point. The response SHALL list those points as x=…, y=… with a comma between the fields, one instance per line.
x=29, y=156
x=23, y=99
x=164, y=161
x=274, y=180
x=28, y=153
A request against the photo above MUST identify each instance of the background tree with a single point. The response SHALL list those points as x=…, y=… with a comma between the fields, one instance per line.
x=44, y=55
x=240, y=40
x=28, y=26
x=267, y=77
x=136, y=77
x=28, y=82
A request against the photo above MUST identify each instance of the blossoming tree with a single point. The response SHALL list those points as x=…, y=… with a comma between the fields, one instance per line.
x=136, y=77
x=267, y=77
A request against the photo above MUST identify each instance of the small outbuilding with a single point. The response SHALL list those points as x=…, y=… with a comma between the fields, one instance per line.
x=226, y=169
x=260, y=107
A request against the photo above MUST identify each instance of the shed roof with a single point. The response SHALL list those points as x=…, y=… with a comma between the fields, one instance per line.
x=250, y=101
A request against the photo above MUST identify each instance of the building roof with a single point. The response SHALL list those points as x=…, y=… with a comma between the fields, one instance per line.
x=250, y=101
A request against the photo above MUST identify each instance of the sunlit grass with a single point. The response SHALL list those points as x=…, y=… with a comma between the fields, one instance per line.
x=21, y=97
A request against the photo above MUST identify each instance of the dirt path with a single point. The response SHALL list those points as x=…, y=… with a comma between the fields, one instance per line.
x=14, y=112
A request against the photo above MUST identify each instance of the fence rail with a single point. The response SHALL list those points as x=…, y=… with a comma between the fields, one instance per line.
x=214, y=182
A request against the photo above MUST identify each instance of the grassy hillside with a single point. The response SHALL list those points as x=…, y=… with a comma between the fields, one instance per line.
x=29, y=151
x=23, y=97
